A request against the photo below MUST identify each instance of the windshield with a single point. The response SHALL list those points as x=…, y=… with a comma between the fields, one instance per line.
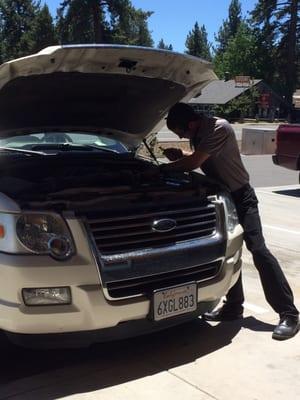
x=73, y=140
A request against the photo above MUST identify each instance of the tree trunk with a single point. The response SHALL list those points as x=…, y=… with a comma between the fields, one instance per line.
x=291, y=59
x=98, y=27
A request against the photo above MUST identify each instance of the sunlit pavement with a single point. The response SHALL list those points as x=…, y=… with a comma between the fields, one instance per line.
x=200, y=360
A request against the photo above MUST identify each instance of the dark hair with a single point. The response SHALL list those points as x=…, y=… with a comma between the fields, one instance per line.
x=180, y=115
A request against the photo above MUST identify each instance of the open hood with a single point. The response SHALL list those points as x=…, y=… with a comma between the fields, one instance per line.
x=125, y=91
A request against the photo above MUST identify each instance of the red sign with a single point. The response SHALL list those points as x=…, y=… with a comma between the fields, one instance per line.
x=264, y=100
x=243, y=81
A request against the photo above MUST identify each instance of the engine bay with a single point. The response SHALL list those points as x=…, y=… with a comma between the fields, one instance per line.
x=78, y=182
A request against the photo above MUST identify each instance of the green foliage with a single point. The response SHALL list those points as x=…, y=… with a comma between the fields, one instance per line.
x=129, y=26
x=238, y=58
x=240, y=106
x=81, y=21
x=266, y=49
x=103, y=21
x=197, y=43
x=25, y=28
x=137, y=32
x=279, y=23
x=16, y=18
x=42, y=33
x=162, y=45
x=229, y=27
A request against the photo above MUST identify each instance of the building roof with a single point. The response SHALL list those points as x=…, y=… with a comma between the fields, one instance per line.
x=221, y=92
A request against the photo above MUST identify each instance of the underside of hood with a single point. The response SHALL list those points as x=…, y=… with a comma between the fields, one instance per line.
x=121, y=90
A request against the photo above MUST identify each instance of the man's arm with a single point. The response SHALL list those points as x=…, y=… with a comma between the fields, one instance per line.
x=174, y=154
x=187, y=163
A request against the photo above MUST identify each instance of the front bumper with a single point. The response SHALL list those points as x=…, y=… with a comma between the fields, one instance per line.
x=91, y=315
x=123, y=330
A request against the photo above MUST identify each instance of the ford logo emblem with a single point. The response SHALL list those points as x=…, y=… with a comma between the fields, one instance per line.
x=164, y=225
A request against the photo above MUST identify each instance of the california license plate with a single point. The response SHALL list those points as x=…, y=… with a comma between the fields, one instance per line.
x=175, y=300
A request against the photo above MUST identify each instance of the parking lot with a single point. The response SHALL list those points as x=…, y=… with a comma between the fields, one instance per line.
x=200, y=360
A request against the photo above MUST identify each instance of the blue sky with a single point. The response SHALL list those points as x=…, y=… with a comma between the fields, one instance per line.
x=173, y=19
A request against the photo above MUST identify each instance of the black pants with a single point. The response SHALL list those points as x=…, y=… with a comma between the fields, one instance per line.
x=276, y=288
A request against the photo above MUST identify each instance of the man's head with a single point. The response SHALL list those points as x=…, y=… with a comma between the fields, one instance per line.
x=183, y=120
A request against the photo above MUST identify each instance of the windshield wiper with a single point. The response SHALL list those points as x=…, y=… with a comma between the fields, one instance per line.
x=71, y=146
x=28, y=152
x=94, y=146
x=59, y=146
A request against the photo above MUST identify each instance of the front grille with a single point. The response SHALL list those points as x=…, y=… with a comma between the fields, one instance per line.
x=130, y=230
x=146, y=284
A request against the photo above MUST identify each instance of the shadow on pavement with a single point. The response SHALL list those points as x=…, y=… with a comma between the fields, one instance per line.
x=289, y=192
x=255, y=325
x=36, y=374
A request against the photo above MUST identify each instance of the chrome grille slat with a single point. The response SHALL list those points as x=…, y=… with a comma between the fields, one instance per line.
x=131, y=229
x=213, y=221
x=118, y=227
x=195, y=216
x=146, y=223
x=153, y=214
x=145, y=232
x=156, y=238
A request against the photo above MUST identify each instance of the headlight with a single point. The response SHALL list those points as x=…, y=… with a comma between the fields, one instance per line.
x=36, y=233
x=44, y=234
x=231, y=214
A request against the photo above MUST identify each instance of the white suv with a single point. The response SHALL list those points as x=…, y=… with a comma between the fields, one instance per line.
x=91, y=248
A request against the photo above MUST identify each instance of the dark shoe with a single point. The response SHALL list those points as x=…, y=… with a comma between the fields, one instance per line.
x=287, y=328
x=224, y=314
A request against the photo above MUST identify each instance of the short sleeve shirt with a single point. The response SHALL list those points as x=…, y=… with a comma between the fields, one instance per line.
x=217, y=138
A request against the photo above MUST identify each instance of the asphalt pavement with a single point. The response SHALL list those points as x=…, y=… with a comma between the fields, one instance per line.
x=263, y=172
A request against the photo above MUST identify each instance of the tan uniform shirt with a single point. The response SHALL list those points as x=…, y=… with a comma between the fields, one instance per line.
x=217, y=138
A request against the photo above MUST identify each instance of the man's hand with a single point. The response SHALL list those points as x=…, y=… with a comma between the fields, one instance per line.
x=187, y=162
x=173, y=154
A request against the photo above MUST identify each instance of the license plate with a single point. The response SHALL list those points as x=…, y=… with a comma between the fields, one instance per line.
x=175, y=300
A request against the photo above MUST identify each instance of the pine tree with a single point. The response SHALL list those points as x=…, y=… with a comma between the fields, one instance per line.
x=81, y=21
x=42, y=32
x=230, y=26
x=239, y=57
x=162, y=45
x=102, y=21
x=197, y=43
x=279, y=21
x=17, y=18
x=129, y=25
x=140, y=32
